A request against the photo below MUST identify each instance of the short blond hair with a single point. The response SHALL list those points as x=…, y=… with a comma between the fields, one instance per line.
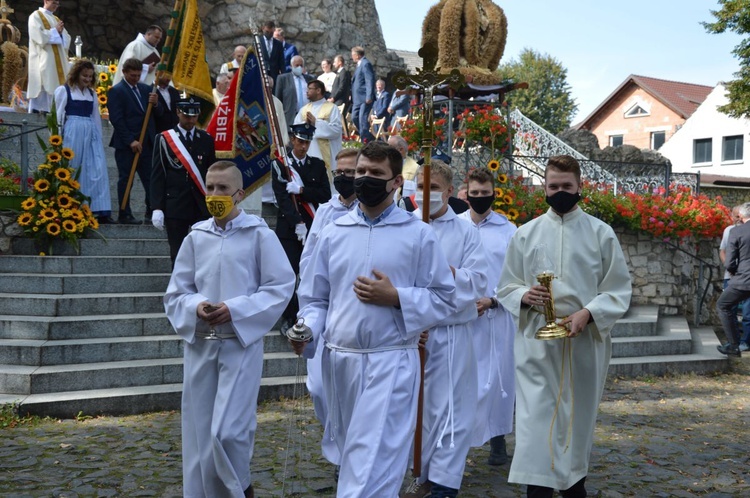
x=227, y=166
x=439, y=168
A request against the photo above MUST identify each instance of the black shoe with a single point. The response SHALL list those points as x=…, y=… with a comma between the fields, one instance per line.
x=149, y=212
x=105, y=220
x=128, y=219
x=729, y=350
x=498, y=453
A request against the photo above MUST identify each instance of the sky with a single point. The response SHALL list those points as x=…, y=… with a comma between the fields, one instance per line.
x=599, y=42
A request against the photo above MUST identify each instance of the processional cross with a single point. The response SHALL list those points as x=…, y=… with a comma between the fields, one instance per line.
x=426, y=81
x=5, y=10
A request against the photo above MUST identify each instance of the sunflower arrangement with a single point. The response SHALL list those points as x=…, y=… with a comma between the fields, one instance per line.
x=104, y=80
x=56, y=209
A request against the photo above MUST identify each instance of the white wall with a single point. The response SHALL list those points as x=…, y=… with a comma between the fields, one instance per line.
x=708, y=122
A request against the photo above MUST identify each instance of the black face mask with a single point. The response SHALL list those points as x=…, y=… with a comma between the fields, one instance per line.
x=371, y=191
x=562, y=201
x=480, y=205
x=344, y=185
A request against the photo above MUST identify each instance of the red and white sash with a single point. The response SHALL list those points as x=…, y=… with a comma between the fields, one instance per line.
x=175, y=144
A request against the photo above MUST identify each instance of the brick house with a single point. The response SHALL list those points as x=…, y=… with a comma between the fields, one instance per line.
x=644, y=112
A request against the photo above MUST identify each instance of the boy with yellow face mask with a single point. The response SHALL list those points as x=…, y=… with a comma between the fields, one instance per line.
x=230, y=283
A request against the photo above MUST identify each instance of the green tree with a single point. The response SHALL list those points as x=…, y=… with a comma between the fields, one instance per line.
x=734, y=15
x=547, y=101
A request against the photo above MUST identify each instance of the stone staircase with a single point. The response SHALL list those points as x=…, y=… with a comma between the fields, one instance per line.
x=88, y=333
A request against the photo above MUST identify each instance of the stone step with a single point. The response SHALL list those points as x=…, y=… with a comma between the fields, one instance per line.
x=638, y=321
x=99, y=247
x=673, y=338
x=25, y=379
x=143, y=231
x=27, y=283
x=704, y=359
x=76, y=351
x=51, y=328
x=81, y=304
x=133, y=400
x=85, y=264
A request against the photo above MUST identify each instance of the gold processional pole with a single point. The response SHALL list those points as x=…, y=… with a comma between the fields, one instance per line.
x=166, y=52
x=425, y=81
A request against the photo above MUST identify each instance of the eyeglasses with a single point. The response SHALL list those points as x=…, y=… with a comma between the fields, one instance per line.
x=345, y=172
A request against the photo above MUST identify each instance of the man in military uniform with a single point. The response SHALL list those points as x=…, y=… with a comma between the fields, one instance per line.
x=299, y=188
x=182, y=156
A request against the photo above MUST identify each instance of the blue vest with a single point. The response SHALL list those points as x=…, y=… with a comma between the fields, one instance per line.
x=79, y=107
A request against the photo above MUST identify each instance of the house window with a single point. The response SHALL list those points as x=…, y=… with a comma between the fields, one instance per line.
x=657, y=139
x=636, y=111
x=702, y=150
x=615, y=140
x=732, y=148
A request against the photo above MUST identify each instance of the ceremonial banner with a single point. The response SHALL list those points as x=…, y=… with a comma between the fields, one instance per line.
x=186, y=58
x=240, y=124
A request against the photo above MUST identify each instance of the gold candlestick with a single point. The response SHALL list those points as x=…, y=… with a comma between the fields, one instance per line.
x=552, y=330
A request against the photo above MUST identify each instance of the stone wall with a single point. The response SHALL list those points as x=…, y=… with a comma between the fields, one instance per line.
x=668, y=277
x=730, y=196
x=318, y=28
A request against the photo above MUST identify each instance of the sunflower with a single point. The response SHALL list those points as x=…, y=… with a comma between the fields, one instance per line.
x=499, y=193
x=74, y=184
x=55, y=140
x=24, y=219
x=47, y=214
x=76, y=214
x=53, y=229
x=507, y=199
x=63, y=189
x=86, y=210
x=493, y=165
x=112, y=68
x=67, y=153
x=99, y=90
x=502, y=178
x=500, y=211
x=69, y=226
x=102, y=99
x=94, y=224
x=54, y=157
x=512, y=214
x=65, y=201
x=28, y=204
x=41, y=185
x=103, y=77
x=62, y=174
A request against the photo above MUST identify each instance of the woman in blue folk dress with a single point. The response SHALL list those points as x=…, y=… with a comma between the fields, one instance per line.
x=78, y=118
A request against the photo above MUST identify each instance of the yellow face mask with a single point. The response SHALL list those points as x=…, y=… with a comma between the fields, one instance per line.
x=219, y=206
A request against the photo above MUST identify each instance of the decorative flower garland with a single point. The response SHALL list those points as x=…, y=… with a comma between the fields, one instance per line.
x=104, y=82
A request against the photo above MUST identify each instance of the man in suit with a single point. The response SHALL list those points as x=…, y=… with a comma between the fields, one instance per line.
x=168, y=96
x=380, y=107
x=363, y=93
x=737, y=263
x=272, y=51
x=298, y=197
x=182, y=156
x=342, y=84
x=289, y=49
x=291, y=88
x=127, y=104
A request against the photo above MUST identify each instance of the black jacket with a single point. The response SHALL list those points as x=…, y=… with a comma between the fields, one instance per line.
x=172, y=189
x=167, y=118
x=341, y=88
x=317, y=191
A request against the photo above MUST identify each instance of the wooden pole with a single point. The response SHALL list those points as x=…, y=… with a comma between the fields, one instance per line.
x=166, y=52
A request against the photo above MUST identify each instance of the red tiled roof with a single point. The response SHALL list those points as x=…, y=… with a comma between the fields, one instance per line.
x=682, y=98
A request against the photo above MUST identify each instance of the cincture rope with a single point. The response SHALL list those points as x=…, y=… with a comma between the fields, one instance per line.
x=567, y=345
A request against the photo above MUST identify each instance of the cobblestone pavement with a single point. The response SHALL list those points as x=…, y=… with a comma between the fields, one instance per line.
x=681, y=436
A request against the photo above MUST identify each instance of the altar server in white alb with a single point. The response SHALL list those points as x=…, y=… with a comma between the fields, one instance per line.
x=48, y=56
x=375, y=280
x=144, y=49
x=494, y=329
x=591, y=290
x=326, y=119
x=230, y=283
x=342, y=202
x=450, y=375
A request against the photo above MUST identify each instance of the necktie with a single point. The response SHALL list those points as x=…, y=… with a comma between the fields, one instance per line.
x=189, y=139
x=137, y=96
x=301, y=95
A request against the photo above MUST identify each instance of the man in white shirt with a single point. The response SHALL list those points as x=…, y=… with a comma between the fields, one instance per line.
x=48, y=56
x=144, y=49
x=326, y=118
x=236, y=62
